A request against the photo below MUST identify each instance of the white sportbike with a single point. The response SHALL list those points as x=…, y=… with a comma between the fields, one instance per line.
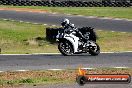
x=70, y=43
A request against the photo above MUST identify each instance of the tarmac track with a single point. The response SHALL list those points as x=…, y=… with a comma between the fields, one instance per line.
x=43, y=61
x=57, y=61
x=79, y=21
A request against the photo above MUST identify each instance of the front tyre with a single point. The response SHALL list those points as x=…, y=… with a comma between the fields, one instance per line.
x=94, y=50
x=65, y=47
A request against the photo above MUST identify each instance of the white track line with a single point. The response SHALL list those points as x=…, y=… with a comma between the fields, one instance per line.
x=119, y=52
x=56, y=69
x=31, y=54
x=45, y=24
x=87, y=68
x=99, y=30
x=35, y=23
x=42, y=12
x=120, y=67
x=117, y=19
x=112, y=31
x=128, y=20
x=27, y=22
x=16, y=54
x=60, y=53
x=21, y=21
x=104, y=18
x=45, y=53
x=91, y=17
x=107, y=18
x=1, y=71
x=5, y=19
x=54, y=13
x=53, y=25
x=79, y=15
x=21, y=70
x=123, y=32
x=12, y=20
x=67, y=69
x=68, y=14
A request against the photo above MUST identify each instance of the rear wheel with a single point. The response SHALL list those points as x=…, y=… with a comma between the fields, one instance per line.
x=65, y=47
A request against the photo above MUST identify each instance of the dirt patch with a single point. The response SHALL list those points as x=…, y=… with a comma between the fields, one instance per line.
x=9, y=79
x=38, y=74
x=25, y=9
x=66, y=74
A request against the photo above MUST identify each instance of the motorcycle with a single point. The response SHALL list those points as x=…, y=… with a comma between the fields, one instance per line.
x=69, y=43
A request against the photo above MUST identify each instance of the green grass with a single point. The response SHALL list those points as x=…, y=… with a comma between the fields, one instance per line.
x=43, y=80
x=114, y=41
x=116, y=12
x=17, y=37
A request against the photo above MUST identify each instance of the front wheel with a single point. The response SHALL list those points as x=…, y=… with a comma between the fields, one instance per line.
x=94, y=49
x=65, y=47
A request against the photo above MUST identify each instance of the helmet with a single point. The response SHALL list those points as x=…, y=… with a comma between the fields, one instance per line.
x=65, y=22
x=72, y=25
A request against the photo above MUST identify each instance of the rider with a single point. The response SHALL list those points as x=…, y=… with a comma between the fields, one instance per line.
x=68, y=26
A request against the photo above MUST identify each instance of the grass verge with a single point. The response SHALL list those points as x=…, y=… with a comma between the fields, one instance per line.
x=17, y=37
x=114, y=12
x=26, y=38
x=51, y=77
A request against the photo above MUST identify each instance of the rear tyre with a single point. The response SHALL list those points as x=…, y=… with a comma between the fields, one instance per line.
x=66, y=48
